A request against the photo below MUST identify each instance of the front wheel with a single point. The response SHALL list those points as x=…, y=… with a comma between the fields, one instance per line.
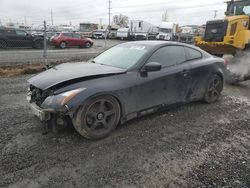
x=98, y=117
x=214, y=89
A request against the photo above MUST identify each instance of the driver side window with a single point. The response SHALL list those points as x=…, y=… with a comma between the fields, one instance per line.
x=20, y=32
x=169, y=56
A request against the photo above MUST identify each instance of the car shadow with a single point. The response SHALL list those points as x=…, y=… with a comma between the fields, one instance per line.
x=169, y=111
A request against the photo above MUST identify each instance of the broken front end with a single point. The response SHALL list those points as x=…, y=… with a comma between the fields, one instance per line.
x=51, y=108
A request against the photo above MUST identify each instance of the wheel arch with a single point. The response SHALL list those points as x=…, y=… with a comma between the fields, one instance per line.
x=221, y=75
x=116, y=97
x=63, y=41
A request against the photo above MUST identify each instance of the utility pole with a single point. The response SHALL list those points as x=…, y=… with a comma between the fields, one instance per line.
x=51, y=15
x=215, y=13
x=109, y=12
x=25, y=21
x=45, y=54
x=107, y=29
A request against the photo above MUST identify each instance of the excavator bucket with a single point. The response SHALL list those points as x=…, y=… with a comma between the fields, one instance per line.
x=217, y=49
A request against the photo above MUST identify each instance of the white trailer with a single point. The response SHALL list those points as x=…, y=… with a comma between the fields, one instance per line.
x=139, y=29
x=167, y=31
x=123, y=33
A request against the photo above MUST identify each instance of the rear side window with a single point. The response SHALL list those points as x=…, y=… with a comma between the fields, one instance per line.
x=169, y=55
x=193, y=54
x=75, y=35
x=20, y=32
x=67, y=34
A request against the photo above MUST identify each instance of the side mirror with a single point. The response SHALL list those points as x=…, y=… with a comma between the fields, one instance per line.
x=152, y=66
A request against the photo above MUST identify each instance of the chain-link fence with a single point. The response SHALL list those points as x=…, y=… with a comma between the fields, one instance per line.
x=21, y=47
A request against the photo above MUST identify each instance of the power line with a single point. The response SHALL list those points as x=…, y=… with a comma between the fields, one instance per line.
x=170, y=10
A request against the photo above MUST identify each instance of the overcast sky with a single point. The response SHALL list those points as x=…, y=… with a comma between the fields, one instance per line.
x=76, y=11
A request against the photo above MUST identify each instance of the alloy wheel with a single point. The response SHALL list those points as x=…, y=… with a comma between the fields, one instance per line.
x=101, y=115
x=214, y=89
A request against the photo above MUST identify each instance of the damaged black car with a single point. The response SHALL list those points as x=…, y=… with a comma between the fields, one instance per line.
x=124, y=82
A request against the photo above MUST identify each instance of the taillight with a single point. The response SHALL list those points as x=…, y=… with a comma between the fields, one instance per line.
x=226, y=62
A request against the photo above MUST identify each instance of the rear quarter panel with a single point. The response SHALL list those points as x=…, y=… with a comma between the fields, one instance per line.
x=202, y=71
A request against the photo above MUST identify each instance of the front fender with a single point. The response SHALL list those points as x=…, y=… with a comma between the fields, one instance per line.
x=81, y=99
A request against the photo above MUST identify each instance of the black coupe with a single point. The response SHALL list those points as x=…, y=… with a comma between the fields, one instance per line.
x=126, y=81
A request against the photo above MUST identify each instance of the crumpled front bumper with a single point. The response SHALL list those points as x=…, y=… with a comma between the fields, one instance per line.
x=42, y=114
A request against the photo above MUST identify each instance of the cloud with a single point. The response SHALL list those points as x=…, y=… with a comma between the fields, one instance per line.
x=65, y=11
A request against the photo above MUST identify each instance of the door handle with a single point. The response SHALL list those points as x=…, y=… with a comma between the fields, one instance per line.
x=185, y=73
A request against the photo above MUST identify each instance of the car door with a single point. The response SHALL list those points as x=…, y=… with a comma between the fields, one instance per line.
x=77, y=40
x=199, y=73
x=10, y=34
x=170, y=84
x=23, y=39
x=68, y=38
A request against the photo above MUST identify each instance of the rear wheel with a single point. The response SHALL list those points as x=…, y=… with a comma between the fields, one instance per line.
x=63, y=45
x=98, y=117
x=214, y=89
x=3, y=44
x=87, y=45
x=38, y=44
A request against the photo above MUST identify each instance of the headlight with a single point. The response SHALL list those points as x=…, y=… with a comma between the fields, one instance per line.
x=56, y=101
x=67, y=96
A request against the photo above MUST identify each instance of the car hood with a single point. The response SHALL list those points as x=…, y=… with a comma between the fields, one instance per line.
x=72, y=72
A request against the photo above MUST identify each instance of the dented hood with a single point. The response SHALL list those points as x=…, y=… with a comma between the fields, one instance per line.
x=71, y=71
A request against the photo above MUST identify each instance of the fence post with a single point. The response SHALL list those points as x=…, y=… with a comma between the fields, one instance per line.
x=45, y=54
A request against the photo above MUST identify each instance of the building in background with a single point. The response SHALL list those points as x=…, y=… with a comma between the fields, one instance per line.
x=87, y=28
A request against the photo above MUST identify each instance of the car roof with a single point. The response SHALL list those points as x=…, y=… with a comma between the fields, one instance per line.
x=159, y=43
x=69, y=32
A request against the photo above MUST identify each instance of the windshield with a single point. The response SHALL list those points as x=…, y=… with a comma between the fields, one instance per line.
x=239, y=8
x=122, y=56
x=164, y=30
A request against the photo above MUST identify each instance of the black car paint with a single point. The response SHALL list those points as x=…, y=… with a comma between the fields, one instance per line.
x=14, y=40
x=135, y=90
x=71, y=71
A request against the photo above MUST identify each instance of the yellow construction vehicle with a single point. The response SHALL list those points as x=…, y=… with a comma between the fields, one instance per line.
x=228, y=35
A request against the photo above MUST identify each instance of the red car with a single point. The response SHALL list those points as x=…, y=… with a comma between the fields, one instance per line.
x=65, y=39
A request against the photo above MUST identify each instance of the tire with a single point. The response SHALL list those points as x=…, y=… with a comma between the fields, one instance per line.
x=98, y=117
x=214, y=89
x=88, y=45
x=63, y=45
x=38, y=44
x=3, y=44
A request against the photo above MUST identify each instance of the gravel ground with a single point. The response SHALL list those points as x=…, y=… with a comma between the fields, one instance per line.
x=22, y=56
x=195, y=145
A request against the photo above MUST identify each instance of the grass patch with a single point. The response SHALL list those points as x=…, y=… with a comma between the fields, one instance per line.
x=10, y=71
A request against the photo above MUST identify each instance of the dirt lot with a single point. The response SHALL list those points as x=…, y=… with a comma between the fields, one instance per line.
x=196, y=145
